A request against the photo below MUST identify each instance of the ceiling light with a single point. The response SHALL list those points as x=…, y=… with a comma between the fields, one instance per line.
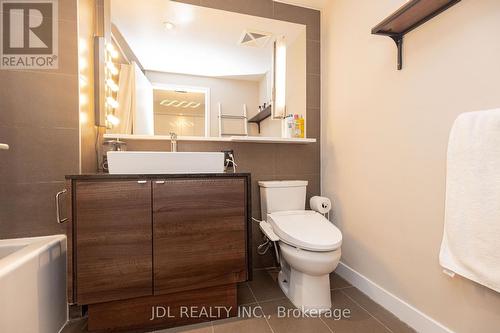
x=169, y=25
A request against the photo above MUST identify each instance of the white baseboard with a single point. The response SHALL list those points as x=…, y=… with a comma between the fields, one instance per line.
x=404, y=311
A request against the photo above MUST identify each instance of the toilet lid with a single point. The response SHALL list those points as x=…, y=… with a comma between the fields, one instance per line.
x=306, y=229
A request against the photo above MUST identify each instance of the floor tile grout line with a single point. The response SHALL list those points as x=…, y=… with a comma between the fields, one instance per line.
x=271, y=300
x=328, y=327
x=267, y=321
x=371, y=315
x=258, y=304
x=342, y=288
x=253, y=294
x=265, y=318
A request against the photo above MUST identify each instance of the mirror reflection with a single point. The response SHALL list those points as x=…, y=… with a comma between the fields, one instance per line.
x=194, y=71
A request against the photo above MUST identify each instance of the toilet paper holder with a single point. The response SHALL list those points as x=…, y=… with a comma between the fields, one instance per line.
x=322, y=205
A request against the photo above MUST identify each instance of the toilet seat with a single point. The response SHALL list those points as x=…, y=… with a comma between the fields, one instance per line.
x=306, y=230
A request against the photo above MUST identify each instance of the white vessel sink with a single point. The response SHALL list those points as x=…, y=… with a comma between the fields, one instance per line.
x=148, y=162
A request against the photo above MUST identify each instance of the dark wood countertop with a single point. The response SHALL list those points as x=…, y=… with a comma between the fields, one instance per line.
x=104, y=176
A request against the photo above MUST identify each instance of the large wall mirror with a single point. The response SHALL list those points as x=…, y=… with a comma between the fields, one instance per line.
x=196, y=71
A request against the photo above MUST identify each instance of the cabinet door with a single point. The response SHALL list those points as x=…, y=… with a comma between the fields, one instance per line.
x=113, y=240
x=199, y=228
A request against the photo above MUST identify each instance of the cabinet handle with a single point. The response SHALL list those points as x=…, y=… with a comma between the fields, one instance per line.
x=160, y=182
x=142, y=181
x=58, y=210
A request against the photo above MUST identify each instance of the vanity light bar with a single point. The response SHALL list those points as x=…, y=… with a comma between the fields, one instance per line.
x=112, y=119
x=113, y=53
x=111, y=102
x=112, y=68
x=112, y=85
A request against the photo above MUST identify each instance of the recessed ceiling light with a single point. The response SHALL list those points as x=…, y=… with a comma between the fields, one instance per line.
x=169, y=25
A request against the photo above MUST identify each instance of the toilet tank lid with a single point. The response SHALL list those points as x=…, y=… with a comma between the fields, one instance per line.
x=283, y=183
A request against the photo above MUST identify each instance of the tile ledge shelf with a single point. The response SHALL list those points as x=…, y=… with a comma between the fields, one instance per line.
x=252, y=139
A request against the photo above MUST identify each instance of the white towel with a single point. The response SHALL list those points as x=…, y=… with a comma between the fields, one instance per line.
x=471, y=239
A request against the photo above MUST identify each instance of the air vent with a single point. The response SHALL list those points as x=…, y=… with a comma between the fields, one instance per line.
x=254, y=38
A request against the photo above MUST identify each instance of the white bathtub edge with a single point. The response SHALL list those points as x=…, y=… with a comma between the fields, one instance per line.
x=35, y=246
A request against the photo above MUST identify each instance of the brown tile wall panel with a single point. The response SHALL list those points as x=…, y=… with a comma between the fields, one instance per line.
x=295, y=14
x=313, y=57
x=270, y=161
x=313, y=128
x=263, y=8
x=37, y=99
x=39, y=119
x=313, y=91
x=28, y=209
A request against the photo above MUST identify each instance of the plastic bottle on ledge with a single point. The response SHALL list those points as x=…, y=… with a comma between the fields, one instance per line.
x=302, y=126
x=289, y=125
x=296, y=126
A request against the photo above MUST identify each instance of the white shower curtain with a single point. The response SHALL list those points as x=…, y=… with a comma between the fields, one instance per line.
x=135, y=102
x=126, y=96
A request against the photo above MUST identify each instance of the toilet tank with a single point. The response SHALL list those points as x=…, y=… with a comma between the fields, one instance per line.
x=281, y=195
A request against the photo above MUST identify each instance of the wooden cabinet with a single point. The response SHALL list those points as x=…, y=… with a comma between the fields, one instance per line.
x=113, y=240
x=132, y=238
x=199, y=233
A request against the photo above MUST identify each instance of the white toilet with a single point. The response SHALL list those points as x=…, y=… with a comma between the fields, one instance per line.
x=309, y=244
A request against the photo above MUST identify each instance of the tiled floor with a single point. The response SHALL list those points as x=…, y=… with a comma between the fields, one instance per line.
x=264, y=295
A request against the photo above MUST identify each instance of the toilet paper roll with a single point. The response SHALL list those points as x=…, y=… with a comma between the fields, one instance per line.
x=320, y=204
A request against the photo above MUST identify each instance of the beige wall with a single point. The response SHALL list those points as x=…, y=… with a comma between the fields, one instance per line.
x=384, y=140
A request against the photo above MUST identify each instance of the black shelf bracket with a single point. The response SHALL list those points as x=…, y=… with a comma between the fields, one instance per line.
x=261, y=116
x=398, y=39
x=410, y=16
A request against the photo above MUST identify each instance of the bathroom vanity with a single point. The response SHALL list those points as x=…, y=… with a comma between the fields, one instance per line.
x=142, y=248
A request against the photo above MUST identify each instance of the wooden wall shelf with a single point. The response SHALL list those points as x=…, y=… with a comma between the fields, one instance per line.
x=259, y=117
x=410, y=16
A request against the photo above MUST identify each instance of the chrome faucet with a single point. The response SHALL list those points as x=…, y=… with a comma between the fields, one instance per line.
x=173, y=142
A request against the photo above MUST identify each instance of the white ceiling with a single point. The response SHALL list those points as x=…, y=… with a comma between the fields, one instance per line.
x=314, y=4
x=204, y=41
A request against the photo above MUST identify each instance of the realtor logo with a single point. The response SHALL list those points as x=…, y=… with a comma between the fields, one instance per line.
x=29, y=34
